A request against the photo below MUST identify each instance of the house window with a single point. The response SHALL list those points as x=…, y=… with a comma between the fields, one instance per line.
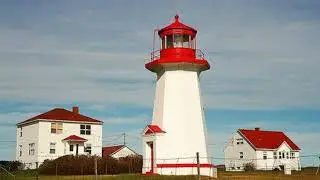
x=287, y=155
x=31, y=148
x=275, y=155
x=88, y=148
x=21, y=132
x=20, y=150
x=279, y=155
x=52, y=148
x=71, y=147
x=56, y=128
x=239, y=141
x=264, y=154
x=283, y=155
x=292, y=155
x=85, y=129
x=241, y=155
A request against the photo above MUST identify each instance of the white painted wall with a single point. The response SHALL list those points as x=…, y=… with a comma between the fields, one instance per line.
x=124, y=152
x=146, y=167
x=29, y=135
x=178, y=111
x=232, y=152
x=41, y=133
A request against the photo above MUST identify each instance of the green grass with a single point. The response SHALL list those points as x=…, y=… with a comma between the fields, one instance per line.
x=308, y=174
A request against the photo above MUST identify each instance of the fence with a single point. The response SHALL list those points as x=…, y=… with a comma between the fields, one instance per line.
x=90, y=167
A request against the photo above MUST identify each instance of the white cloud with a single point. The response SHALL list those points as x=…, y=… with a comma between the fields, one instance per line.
x=141, y=119
x=261, y=66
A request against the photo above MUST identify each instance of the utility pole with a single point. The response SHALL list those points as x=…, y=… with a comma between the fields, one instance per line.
x=124, y=139
x=95, y=167
x=318, y=166
x=198, y=165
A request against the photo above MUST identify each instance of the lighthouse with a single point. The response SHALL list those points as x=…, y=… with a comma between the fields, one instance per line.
x=178, y=131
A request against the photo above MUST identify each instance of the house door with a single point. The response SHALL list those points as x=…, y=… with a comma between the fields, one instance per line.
x=77, y=149
x=152, y=156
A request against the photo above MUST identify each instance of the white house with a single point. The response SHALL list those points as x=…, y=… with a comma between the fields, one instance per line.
x=56, y=133
x=267, y=150
x=118, y=151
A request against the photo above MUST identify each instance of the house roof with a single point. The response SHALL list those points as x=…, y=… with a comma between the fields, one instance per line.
x=150, y=129
x=74, y=138
x=267, y=139
x=60, y=114
x=109, y=150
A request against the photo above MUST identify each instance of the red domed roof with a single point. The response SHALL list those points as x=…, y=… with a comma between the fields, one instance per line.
x=177, y=27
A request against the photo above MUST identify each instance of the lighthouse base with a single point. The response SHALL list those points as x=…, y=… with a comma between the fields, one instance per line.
x=185, y=169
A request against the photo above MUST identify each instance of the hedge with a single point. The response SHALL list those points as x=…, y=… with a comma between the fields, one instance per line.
x=84, y=165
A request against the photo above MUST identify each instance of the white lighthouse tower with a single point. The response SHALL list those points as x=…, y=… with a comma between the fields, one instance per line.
x=178, y=129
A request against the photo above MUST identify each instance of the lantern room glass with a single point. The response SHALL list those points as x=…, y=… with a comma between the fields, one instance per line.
x=177, y=41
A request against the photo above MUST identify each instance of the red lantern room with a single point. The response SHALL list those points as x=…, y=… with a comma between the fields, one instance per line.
x=177, y=47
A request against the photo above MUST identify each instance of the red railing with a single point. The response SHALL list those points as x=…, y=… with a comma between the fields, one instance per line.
x=199, y=54
x=156, y=55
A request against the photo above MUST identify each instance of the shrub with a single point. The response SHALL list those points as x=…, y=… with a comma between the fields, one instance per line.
x=12, y=165
x=84, y=165
x=249, y=167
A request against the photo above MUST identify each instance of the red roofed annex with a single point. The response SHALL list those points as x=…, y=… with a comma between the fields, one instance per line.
x=267, y=150
x=267, y=139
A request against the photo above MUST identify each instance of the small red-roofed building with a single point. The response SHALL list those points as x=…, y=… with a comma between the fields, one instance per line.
x=266, y=150
x=118, y=151
x=56, y=133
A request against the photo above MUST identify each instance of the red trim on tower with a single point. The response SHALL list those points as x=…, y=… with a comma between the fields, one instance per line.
x=177, y=27
x=185, y=165
x=153, y=129
x=182, y=56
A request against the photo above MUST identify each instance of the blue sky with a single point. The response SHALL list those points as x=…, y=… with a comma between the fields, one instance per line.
x=264, y=56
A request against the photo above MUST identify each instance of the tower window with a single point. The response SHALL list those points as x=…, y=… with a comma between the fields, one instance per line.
x=177, y=41
x=169, y=41
x=181, y=40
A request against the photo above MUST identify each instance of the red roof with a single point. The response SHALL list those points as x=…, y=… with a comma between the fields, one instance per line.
x=74, y=138
x=176, y=25
x=60, y=114
x=107, y=151
x=153, y=129
x=267, y=139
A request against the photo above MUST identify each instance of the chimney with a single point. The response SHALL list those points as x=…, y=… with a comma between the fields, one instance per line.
x=257, y=129
x=75, y=109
